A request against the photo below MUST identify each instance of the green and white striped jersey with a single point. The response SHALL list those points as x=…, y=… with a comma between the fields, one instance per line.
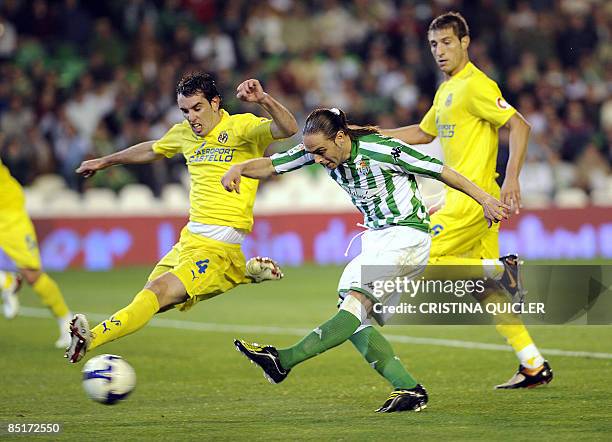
x=379, y=177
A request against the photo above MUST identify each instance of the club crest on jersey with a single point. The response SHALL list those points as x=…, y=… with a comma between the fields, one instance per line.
x=502, y=104
x=363, y=168
x=449, y=100
x=223, y=136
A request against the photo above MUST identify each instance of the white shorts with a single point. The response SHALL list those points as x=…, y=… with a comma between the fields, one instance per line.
x=386, y=254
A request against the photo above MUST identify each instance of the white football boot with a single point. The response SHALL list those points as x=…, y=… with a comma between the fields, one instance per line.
x=263, y=269
x=10, y=283
x=80, y=337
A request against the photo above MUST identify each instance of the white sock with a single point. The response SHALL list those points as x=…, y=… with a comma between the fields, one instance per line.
x=493, y=268
x=64, y=321
x=530, y=357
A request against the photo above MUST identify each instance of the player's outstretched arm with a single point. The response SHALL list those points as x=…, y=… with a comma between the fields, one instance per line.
x=494, y=210
x=409, y=134
x=140, y=153
x=284, y=124
x=519, y=137
x=256, y=168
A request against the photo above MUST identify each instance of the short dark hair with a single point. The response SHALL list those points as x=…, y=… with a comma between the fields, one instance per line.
x=452, y=20
x=197, y=82
x=330, y=121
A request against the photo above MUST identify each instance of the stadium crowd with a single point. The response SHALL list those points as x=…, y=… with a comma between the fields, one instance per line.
x=87, y=78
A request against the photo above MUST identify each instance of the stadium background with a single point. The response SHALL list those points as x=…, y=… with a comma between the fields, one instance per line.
x=83, y=79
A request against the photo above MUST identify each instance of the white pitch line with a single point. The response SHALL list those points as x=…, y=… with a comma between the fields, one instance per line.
x=236, y=328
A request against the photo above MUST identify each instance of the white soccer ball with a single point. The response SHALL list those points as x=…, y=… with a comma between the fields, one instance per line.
x=108, y=379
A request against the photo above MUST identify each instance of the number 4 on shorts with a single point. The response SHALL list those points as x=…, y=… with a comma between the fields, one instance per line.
x=202, y=265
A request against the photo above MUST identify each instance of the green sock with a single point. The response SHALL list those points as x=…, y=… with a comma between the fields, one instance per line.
x=334, y=332
x=378, y=352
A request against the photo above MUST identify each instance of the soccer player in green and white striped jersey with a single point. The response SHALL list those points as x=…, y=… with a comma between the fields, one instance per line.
x=379, y=174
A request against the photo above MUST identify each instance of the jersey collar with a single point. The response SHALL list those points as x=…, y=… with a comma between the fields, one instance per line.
x=224, y=116
x=354, y=149
x=468, y=67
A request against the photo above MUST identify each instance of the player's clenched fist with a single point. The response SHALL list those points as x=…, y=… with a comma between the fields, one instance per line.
x=250, y=91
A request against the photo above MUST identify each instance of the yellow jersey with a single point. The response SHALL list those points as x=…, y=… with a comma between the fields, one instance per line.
x=467, y=112
x=236, y=138
x=11, y=193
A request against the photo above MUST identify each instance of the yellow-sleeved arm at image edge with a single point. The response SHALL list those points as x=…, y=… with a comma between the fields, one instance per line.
x=171, y=143
x=428, y=123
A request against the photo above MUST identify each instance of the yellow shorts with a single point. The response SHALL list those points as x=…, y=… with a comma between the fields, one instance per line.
x=206, y=267
x=18, y=239
x=460, y=229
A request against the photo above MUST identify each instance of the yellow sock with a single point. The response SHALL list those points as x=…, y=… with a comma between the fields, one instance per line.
x=455, y=267
x=522, y=344
x=512, y=328
x=50, y=295
x=6, y=279
x=127, y=320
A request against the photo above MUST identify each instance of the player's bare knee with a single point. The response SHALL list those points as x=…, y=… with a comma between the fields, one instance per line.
x=30, y=275
x=168, y=289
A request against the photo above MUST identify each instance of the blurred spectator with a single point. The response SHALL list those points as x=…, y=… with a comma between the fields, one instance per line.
x=75, y=23
x=215, y=49
x=42, y=22
x=90, y=104
x=16, y=156
x=106, y=41
x=114, y=177
x=577, y=38
x=579, y=131
x=8, y=38
x=71, y=148
x=138, y=12
x=42, y=160
x=17, y=119
x=591, y=169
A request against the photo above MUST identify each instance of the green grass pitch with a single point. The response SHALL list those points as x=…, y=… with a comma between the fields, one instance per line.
x=192, y=385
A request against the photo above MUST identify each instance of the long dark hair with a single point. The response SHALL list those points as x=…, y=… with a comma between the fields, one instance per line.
x=330, y=121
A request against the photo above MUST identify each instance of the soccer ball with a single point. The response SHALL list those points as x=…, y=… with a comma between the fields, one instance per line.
x=108, y=379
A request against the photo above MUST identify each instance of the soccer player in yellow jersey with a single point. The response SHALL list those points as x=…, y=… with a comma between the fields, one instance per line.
x=18, y=240
x=467, y=111
x=207, y=260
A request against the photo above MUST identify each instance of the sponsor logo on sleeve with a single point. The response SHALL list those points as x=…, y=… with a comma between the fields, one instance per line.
x=502, y=104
